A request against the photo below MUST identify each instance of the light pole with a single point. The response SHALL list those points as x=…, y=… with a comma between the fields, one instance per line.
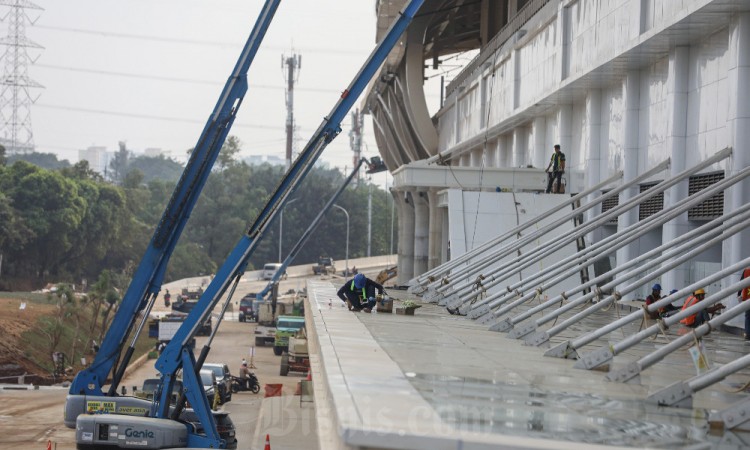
x=347, y=238
x=281, y=224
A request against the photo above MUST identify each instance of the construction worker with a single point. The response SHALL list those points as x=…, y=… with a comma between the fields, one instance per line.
x=655, y=297
x=167, y=298
x=701, y=317
x=557, y=164
x=359, y=289
x=742, y=296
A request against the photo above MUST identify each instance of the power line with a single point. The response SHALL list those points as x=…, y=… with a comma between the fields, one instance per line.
x=193, y=41
x=175, y=79
x=151, y=117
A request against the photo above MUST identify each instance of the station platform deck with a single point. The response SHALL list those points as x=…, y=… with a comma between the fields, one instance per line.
x=439, y=381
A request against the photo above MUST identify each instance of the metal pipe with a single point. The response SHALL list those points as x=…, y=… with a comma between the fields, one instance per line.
x=443, y=269
x=688, y=290
x=714, y=324
x=715, y=375
x=629, y=288
x=513, y=246
x=700, y=234
x=619, y=239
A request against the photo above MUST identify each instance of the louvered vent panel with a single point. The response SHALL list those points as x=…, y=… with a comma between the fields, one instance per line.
x=610, y=203
x=714, y=206
x=650, y=206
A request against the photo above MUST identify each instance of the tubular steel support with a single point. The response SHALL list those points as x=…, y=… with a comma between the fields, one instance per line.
x=468, y=274
x=596, y=358
x=736, y=415
x=568, y=349
x=431, y=277
x=656, y=356
x=605, y=246
x=706, y=235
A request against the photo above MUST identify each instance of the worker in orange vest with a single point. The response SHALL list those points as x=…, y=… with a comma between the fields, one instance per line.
x=742, y=296
x=699, y=318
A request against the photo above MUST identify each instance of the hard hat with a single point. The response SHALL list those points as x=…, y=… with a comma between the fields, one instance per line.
x=673, y=291
x=700, y=292
x=656, y=287
x=359, y=281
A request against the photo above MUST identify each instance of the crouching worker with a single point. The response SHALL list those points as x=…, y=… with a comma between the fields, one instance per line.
x=701, y=317
x=358, y=290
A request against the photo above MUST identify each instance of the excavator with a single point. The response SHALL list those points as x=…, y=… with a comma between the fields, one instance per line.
x=110, y=420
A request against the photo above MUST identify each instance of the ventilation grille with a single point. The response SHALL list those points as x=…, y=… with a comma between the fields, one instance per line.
x=650, y=206
x=714, y=206
x=608, y=204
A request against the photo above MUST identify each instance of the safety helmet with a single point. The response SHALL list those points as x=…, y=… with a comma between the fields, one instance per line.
x=656, y=287
x=700, y=292
x=673, y=291
x=359, y=281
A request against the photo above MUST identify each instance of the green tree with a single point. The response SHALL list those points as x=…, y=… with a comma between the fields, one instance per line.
x=43, y=160
x=156, y=168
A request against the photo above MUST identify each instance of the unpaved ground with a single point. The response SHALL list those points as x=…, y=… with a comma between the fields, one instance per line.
x=14, y=321
x=29, y=418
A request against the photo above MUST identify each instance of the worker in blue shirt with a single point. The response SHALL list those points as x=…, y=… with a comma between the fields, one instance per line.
x=358, y=290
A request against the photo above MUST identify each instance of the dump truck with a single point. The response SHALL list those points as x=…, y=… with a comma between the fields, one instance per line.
x=297, y=359
x=324, y=266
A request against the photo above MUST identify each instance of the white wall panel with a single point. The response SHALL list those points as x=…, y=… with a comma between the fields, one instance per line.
x=539, y=64
x=447, y=128
x=500, y=92
x=708, y=102
x=612, y=129
x=653, y=125
x=575, y=156
x=598, y=29
x=658, y=13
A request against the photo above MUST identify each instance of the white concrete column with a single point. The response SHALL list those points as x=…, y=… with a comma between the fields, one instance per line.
x=519, y=147
x=540, y=151
x=436, y=231
x=593, y=156
x=737, y=247
x=405, y=235
x=631, y=97
x=677, y=112
x=421, y=231
x=565, y=121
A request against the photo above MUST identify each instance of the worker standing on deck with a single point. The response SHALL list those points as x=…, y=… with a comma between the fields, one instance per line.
x=358, y=290
x=701, y=317
x=555, y=170
x=742, y=296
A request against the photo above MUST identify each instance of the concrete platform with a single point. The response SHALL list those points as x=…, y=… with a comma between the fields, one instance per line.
x=444, y=382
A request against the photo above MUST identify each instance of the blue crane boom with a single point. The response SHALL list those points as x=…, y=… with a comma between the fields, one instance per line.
x=177, y=355
x=310, y=229
x=148, y=277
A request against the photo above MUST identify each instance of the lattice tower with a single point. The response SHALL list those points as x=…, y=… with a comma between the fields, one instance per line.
x=16, y=86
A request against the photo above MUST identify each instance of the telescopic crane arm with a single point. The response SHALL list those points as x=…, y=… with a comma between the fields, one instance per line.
x=177, y=354
x=148, y=277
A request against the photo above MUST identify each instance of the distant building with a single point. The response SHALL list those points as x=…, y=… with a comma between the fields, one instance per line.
x=98, y=158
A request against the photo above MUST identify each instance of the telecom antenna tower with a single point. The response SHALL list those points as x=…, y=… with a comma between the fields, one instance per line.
x=292, y=64
x=15, y=98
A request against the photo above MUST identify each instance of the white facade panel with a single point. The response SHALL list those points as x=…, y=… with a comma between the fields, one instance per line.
x=539, y=65
x=653, y=124
x=707, y=96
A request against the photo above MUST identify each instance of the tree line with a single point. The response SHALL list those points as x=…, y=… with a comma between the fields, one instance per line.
x=70, y=224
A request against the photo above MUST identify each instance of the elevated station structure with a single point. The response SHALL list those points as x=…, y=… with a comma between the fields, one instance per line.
x=623, y=86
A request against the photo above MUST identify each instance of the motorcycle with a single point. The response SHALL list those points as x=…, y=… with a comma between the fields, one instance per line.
x=249, y=383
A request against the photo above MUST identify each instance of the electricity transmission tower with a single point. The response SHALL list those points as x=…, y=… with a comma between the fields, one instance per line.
x=16, y=86
x=293, y=64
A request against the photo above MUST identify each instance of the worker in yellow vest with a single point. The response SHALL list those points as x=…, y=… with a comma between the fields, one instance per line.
x=701, y=317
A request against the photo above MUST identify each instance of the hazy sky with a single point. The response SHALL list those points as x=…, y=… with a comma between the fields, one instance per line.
x=149, y=72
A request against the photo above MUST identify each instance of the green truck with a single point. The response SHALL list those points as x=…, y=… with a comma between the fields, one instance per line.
x=286, y=326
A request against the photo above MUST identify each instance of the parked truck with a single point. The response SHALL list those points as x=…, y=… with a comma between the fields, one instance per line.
x=324, y=266
x=286, y=327
x=297, y=359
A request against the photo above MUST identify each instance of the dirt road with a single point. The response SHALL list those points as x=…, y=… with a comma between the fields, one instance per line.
x=29, y=418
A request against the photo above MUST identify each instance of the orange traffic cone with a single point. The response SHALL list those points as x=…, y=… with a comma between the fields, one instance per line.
x=268, y=443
